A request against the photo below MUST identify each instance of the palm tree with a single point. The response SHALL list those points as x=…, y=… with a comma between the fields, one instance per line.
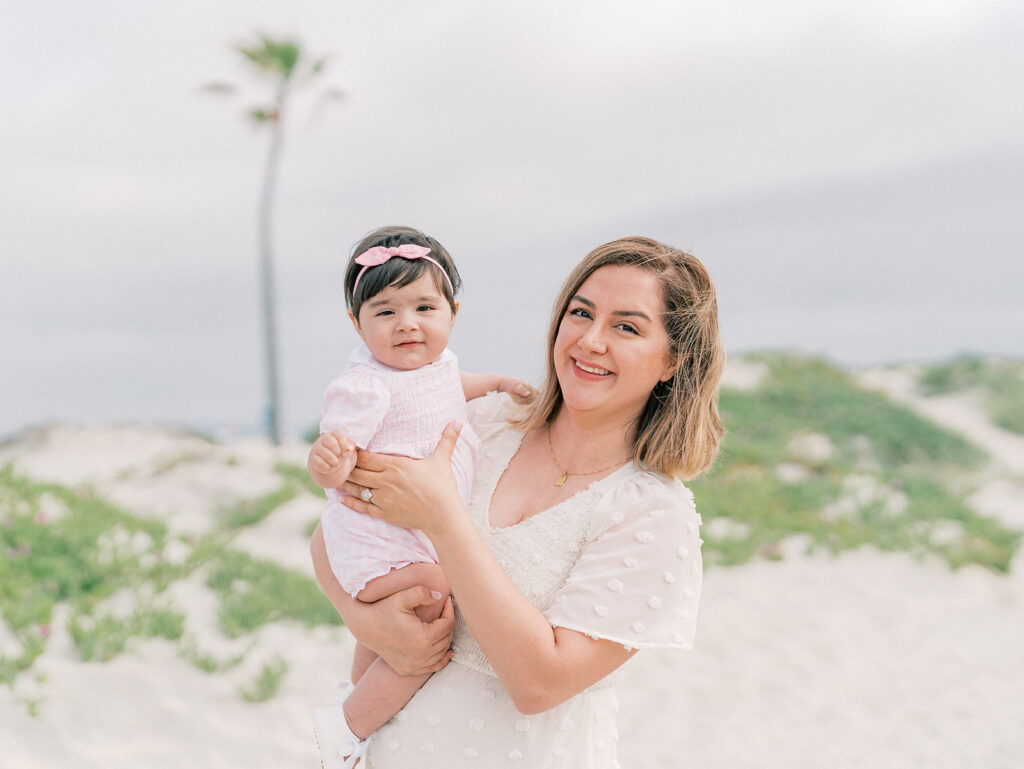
x=283, y=64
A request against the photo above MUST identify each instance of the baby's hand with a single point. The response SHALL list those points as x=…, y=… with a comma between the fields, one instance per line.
x=515, y=387
x=331, y=459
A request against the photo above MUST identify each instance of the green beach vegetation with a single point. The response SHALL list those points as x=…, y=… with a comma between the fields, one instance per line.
x=71, y=546
x=811, y=462
x=811, y=455
x=999, y=383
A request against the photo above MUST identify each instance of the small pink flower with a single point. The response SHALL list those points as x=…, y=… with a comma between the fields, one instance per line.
x=45, y=631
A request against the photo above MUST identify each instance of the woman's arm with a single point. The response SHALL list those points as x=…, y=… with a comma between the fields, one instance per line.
x=540, y=666
x=390, y=626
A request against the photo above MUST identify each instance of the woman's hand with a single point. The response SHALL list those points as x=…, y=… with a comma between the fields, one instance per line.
x=416, y=493
x=390, y=626
x=409, y=645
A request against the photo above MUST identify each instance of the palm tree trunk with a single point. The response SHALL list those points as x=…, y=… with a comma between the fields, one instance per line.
x=272, y=416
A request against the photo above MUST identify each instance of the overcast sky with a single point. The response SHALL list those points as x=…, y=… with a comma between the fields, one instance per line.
x=851, y=173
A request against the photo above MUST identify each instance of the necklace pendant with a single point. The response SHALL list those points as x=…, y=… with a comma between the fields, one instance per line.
x=561, y=479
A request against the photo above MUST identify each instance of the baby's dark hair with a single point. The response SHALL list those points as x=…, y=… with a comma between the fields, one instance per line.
x=398, y=272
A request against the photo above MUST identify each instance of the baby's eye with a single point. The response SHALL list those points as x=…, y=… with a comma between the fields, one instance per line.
x=385, y=312
x=425, y=308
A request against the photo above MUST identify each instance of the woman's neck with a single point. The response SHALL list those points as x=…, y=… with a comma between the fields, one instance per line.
x=581, y=444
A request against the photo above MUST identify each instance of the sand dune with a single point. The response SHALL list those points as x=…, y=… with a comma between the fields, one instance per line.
x=868, y=659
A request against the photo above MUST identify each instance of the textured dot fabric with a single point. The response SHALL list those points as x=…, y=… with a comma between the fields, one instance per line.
x=620, y=560
x=390, y=411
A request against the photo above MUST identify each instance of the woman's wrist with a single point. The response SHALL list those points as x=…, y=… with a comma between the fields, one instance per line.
x=449, y=513
x=449, y=527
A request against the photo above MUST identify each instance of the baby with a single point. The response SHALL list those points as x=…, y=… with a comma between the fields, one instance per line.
x=396, y=395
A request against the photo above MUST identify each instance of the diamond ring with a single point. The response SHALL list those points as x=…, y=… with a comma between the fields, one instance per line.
x=366, y=495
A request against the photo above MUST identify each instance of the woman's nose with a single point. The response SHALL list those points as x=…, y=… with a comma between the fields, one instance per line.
x=593, y=339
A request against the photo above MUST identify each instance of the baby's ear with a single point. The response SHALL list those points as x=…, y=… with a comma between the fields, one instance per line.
x=455, y=311
x=355, y=321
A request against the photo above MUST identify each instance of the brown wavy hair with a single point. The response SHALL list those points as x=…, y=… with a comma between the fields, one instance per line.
x=679, y=431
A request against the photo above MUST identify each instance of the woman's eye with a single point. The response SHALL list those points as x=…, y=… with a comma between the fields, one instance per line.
x=579, y=312
x=627, y=327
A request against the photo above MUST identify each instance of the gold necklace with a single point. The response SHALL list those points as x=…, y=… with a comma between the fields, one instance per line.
x=565, y=473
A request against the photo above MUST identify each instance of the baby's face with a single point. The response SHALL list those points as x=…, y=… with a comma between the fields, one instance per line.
x=407, y=327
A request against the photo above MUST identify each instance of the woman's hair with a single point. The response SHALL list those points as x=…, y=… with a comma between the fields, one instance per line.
x=678, y=431
x=397, y=271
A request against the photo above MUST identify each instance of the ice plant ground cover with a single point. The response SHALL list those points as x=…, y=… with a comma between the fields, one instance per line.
x=168, y=576
x=810, y=452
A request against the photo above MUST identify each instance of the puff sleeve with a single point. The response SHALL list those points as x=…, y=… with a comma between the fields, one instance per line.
x=355, y=403
x=637, y=580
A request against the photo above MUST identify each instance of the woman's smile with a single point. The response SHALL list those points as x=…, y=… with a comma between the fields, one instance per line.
x=585, y=368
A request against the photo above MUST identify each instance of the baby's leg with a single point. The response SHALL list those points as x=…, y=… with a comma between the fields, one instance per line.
x=362, y=658
x=381, y=692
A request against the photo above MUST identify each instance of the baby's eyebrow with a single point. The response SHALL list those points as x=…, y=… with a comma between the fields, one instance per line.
x=425, y=298
x=621, y=313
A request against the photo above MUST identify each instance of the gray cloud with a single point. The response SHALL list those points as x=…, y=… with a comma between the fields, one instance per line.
x=851, y=174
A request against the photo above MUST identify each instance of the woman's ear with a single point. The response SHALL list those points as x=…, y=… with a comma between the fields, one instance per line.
x=673, y=366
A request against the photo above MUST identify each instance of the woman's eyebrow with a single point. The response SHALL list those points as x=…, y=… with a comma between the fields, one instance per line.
x=582, y=300
x=621, y=313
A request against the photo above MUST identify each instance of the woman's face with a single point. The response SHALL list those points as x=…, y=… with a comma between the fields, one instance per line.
x=612, y=347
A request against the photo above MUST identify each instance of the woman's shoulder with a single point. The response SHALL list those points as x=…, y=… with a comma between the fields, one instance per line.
x=640, y=493
x=489, y=414
x=641, y=563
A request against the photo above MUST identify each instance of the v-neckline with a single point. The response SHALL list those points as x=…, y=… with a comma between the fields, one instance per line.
x=510, y=452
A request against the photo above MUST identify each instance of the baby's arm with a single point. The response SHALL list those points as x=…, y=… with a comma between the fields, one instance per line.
x=331, y=459
x=477, y=385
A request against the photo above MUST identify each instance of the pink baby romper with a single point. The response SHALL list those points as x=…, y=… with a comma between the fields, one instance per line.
x=391, y=411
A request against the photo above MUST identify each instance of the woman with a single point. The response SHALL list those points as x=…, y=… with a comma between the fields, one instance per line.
x=579, y=545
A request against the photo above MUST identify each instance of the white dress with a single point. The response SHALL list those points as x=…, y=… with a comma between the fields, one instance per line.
x=620, y=560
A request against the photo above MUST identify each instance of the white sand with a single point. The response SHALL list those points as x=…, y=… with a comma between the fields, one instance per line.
x=960, y=412
x=866, y=660
x=743, y=374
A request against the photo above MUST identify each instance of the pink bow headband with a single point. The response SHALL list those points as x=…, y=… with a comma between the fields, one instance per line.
x=380, y=254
